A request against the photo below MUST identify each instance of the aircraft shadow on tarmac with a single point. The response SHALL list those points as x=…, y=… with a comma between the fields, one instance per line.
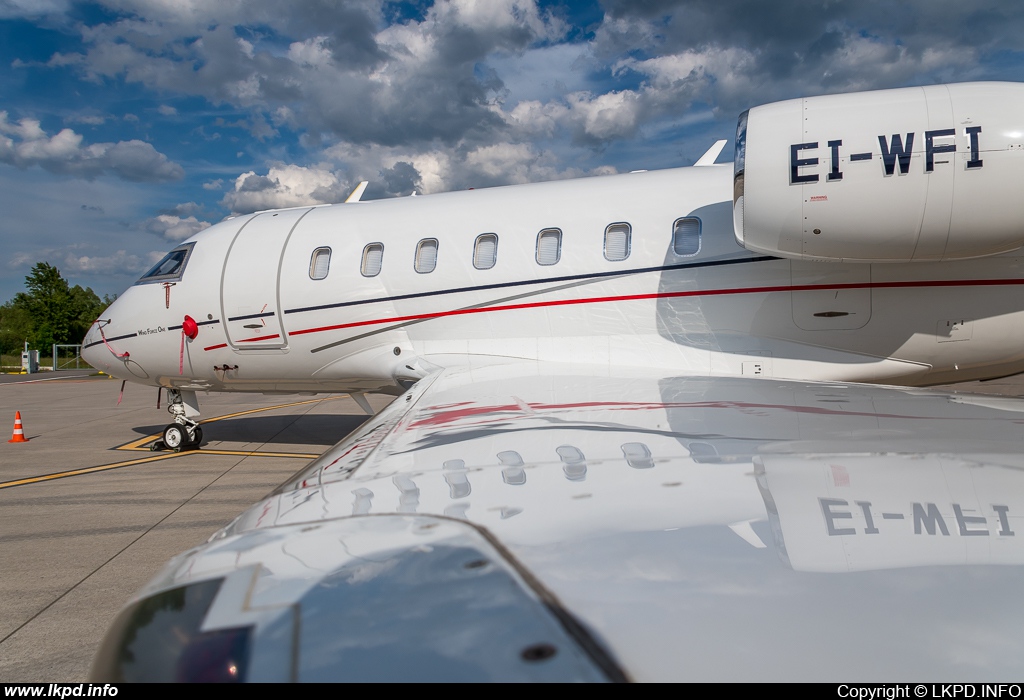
x=293, y=430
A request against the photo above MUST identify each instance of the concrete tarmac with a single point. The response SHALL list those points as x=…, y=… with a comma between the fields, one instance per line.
x=88, y=514
x=75, y=545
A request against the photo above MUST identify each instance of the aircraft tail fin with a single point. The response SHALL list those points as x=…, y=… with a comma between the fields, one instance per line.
x=711, y=154
x=357, y=193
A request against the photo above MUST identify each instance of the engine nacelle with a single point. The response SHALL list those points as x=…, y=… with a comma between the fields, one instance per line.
x=926, y=173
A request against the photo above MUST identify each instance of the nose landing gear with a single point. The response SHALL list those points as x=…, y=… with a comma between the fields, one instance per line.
x=180, y=437
x=184, y=433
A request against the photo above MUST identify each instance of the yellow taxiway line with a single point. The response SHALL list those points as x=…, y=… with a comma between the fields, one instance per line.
x=136, y=446
x=154, y=458
x=87, y=470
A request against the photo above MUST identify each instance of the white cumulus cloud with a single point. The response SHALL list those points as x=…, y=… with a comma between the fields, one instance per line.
x=119, y=262
x=175, y=228
x=25, y=144
x=284, y=186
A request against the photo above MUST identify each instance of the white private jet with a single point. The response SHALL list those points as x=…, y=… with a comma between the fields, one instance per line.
x=639, y=433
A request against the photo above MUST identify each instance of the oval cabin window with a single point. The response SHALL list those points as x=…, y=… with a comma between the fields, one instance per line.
x=485, y=251
x=549, y=246
x=686, y=236
x=426, y=255
x=320, y=263
x=373, y=258
x=616, y=241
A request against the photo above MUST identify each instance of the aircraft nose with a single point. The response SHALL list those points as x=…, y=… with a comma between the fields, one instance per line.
x=94, y=351
x=100, y=347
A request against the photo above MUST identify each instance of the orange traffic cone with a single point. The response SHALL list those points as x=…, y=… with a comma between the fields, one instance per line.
x=19, y=431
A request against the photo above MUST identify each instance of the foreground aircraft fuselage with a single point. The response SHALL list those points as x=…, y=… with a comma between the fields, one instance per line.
x=884, y=234
x=613, y=453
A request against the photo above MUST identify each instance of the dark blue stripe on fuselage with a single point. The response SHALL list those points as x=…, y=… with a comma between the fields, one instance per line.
x=520, y=283
x=262, y=314
x=110, y=340
x=198, y=323
x=482, y=287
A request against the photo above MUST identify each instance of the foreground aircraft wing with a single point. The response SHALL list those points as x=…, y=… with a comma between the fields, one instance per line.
x=524, y=522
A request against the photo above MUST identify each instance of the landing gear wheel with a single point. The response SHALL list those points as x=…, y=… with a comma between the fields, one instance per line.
x=197, y=436
x=175, y=437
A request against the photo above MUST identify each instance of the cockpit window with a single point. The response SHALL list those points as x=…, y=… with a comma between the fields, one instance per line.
x=171, y=266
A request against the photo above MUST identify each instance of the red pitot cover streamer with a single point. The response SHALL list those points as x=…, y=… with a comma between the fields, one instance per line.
x=115, y=353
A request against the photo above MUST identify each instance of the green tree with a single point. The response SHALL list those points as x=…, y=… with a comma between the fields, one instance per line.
x=86, y=308
x=15, y=328
x=58, y=313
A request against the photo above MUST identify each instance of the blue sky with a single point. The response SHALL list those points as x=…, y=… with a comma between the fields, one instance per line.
x=128, y=125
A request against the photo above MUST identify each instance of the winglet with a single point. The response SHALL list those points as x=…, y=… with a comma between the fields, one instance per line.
x=361, y=187
x=711, y=154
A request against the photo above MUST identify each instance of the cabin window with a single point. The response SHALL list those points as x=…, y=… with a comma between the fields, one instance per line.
x=373, y=258
x=686, y=236
x=426, y=255
x=616, y=241
x=171, y=267
x=549, y=246
x=485, y=251
x=320, y=263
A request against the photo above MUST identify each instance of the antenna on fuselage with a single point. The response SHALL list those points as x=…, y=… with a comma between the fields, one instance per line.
x=711, y=155
x=357, y=193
